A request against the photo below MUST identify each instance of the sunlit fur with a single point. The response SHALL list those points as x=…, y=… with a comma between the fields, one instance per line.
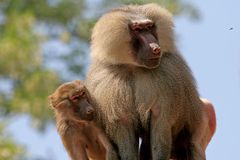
x=163, y=101
x=209, y=119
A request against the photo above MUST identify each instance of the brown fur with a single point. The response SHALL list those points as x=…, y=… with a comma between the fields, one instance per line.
x=80, y=134
x=181, y=145
x=180, y=150
x=127, y=90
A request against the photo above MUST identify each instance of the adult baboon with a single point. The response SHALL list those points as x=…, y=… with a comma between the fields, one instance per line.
x=137, y=71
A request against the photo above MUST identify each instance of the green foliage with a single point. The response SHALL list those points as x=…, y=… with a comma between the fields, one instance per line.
x=59, y=11
x=18, y=46
x=9, y=150
x=84, y=28
x=21, y=57
x=32, y=93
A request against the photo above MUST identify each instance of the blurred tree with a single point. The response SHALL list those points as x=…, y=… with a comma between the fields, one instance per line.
x=22, y=61
x=42, y=44
x=9, y=150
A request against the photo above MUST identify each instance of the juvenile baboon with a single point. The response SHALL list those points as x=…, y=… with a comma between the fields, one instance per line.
x=142, y=84
x=75, y=120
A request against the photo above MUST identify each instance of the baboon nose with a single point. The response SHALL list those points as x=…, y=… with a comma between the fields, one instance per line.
x=155, y=48
x=90, y=111
x=157, y=51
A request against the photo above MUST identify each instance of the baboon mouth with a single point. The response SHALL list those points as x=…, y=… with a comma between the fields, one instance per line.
x=90, y=118
x=152, y=62
x=154, y=59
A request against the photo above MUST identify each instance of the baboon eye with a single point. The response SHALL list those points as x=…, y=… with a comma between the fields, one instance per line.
x=75, y=98
x=83, y=94
x=149, y=27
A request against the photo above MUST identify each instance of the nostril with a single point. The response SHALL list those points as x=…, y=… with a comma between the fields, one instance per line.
x=90, y=111
x=155, y=48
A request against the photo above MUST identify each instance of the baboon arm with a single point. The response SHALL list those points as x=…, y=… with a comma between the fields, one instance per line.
x=80, y=153
x=110, y=153
x=75, y=146
x=103, y=139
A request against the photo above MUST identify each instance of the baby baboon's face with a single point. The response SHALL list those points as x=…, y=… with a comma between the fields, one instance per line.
x=80, y=104
x=73, y=98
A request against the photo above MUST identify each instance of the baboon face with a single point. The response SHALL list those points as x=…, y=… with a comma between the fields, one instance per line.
x=144, y=43
x=81, y=105
x=133, y=35
x=73, y=98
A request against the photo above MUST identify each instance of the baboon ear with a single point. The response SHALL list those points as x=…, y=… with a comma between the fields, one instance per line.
x=51, y=101
x=78, y=81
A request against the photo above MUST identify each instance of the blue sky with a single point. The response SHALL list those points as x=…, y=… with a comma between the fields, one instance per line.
x=212, y=50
